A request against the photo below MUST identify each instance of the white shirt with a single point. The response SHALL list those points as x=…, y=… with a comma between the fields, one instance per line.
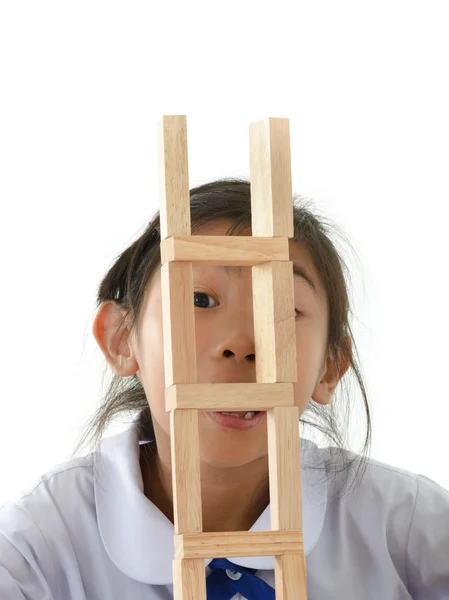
x=86, y=531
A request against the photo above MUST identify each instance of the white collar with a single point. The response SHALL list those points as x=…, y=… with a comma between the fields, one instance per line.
x=138, y=537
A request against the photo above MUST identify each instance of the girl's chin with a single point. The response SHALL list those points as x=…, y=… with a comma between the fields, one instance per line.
x=217, y=461
x=231, y=451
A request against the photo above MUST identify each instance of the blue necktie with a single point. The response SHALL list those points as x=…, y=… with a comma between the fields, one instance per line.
x=221, y=586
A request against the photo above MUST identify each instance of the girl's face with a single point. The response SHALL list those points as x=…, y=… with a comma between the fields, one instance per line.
x=224, y=345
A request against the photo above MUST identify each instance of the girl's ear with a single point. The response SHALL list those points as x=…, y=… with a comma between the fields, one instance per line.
x=329, y=378
x=112, y=335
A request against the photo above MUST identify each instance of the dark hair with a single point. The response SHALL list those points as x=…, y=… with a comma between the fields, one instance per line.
x=229, y=199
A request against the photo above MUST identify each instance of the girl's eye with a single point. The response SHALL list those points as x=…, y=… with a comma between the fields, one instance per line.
x=201, y=300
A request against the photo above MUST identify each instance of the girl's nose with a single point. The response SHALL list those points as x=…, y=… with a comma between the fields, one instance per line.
x=251, y=357
x=236, y=344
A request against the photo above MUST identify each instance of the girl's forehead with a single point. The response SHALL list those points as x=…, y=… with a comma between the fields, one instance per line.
x=218, y=228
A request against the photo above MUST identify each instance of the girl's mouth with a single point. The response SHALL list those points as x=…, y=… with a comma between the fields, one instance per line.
x=237, y=419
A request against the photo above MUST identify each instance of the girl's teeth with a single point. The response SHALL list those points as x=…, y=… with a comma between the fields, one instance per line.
x=249, y=415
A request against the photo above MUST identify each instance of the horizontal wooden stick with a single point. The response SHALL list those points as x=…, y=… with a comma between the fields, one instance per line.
x=238, y=543
x=227, y=250
x=228, y=396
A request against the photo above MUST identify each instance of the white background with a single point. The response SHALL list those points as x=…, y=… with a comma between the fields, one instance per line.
x=83, y=84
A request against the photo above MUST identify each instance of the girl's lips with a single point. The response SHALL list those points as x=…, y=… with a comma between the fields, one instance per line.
x=236, y=422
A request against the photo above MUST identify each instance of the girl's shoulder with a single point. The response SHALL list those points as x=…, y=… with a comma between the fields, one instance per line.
x=70, y=497
x=67, y=482
x=40, y=522
x=384, y=532
x=376, y=499
x=63, y=480
x=50, y=536
x=352, y=476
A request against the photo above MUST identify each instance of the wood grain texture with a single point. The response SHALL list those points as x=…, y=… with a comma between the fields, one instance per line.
x=173, y=176
x=274, y=322
x=229, y=396
x=186, y=479
x=178, y=323
x=224, y=250
x=238, y=543
x=284, y=468
x=290, y=579
x=189, y=579
x=271, y=178
x=275, y=345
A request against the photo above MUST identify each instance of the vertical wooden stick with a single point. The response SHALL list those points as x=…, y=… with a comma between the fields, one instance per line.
x=180, y=352
x=189, y=582
x=185, y=453
x=290, y=577
x=271, y=178
x=284, y=463
x=174, y=176
x=178, y=323
x=275, y=339
x=274, y=322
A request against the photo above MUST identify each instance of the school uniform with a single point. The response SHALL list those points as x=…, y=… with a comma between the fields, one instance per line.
x=86, y=531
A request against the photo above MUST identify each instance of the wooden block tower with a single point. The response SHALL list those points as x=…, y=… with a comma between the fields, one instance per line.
x=267, y=252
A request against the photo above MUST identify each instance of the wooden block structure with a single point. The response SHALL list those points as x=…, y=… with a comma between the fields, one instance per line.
x=267, y=252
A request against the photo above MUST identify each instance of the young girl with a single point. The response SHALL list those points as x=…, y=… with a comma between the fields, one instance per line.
x=100, y=527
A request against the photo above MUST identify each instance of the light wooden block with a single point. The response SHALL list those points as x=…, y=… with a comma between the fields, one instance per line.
x=228, y=396
x=185, y=456
x=173, y=176
x=271, y=178
x=290, y=577
x=224, y=250
x=238, y=543
x=284, y=468
x=178, y=323
x=275, y=340
x=189, y=579
x=274, y=322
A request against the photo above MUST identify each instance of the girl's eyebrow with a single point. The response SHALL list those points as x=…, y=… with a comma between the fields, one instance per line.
x=298, y=271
